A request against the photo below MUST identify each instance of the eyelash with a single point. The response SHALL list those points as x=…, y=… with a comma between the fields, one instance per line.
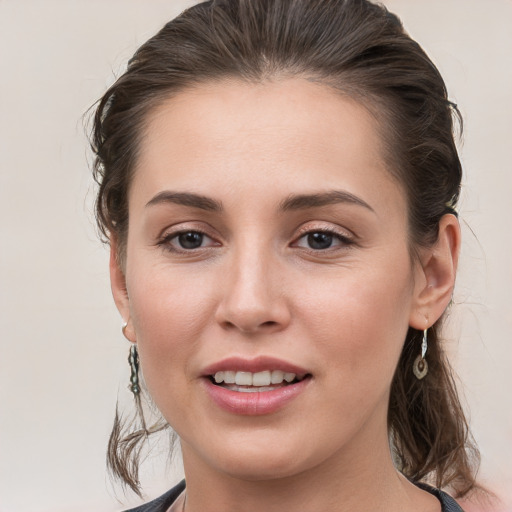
x=166, y=241
x=344, y=241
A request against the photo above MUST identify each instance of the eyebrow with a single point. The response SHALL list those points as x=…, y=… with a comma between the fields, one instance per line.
x=305, y=201
x=292, y=202
x=186, y=199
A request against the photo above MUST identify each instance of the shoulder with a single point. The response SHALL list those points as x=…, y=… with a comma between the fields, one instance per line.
x=162, y=503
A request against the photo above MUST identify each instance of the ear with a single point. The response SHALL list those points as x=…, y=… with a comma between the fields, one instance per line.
x=435, y=275
x=119, y=291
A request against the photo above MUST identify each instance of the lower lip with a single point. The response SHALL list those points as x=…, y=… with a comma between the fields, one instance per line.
x=254, y=404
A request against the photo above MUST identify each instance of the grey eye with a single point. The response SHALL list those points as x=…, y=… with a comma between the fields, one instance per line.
x=190, y=240
x=319, y=240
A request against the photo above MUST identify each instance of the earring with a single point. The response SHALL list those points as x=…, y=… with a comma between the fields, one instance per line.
x=420, y=366
x=133, y=360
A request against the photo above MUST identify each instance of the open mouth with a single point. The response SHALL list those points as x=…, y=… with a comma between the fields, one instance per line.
x=248, y=382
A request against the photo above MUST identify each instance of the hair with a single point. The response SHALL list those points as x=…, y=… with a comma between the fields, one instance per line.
x=361, y=50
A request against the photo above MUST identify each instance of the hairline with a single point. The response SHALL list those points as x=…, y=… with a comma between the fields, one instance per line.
x=375, y=104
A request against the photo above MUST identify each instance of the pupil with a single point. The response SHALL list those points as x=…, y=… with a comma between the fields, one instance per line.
x=319, y=240
x=190, y=240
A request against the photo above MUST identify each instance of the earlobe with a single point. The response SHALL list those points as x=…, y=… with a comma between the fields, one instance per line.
x=120, y=292
x=437, y=268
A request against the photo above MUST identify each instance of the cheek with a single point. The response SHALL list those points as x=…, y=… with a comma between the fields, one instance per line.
x=168, y=303
x=169, y=312
x=360, y=321
x=357, y=326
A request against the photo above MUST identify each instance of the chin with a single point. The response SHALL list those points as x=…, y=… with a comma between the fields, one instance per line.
x=263, y=470
x=265, y=457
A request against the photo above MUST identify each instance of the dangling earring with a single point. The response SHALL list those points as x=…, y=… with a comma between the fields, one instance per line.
x=420, y=366
x=133, y=360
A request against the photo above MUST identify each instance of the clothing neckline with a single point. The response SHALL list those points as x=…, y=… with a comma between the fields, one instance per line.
x=162, y=504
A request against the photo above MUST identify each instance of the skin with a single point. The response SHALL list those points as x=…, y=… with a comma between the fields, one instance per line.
x=256, y=287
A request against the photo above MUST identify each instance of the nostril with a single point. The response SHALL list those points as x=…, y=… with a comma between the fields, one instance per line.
x=228, y=325
x=268, y=325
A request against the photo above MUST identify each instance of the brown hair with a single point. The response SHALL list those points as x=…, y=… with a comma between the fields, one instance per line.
x=362, y=50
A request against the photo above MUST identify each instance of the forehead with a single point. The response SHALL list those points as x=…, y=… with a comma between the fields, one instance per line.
x=288, y=133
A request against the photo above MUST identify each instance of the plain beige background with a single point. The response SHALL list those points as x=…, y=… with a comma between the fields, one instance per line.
x=62, y=355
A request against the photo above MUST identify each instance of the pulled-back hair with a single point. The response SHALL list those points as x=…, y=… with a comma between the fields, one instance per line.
x=361, y=50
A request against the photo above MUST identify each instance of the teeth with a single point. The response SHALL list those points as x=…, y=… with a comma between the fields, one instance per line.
x=248, y=389
x=277, y=377
x=243, y=379
x=259, y=379
x=229, y=377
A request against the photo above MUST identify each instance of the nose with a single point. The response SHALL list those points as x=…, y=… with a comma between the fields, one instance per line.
x=253, y=296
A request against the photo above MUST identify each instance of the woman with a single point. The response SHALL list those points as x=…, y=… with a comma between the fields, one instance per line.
x=278, y=184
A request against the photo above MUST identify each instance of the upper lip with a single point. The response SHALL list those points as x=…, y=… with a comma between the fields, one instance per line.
x=254, y=365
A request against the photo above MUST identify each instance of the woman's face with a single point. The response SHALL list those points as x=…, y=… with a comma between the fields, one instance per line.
x=267, y=238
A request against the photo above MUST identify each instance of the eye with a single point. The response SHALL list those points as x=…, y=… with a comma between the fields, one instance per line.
x=187, y=241
x=321, y=240
x=190, y=239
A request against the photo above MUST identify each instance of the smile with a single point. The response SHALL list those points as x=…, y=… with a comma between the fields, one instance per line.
x=259, y=382
x=254, y=387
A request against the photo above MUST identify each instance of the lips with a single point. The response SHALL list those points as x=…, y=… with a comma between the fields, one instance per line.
x=257, y=386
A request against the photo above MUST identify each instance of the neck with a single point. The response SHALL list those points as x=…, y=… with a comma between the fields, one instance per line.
x=340, y=484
